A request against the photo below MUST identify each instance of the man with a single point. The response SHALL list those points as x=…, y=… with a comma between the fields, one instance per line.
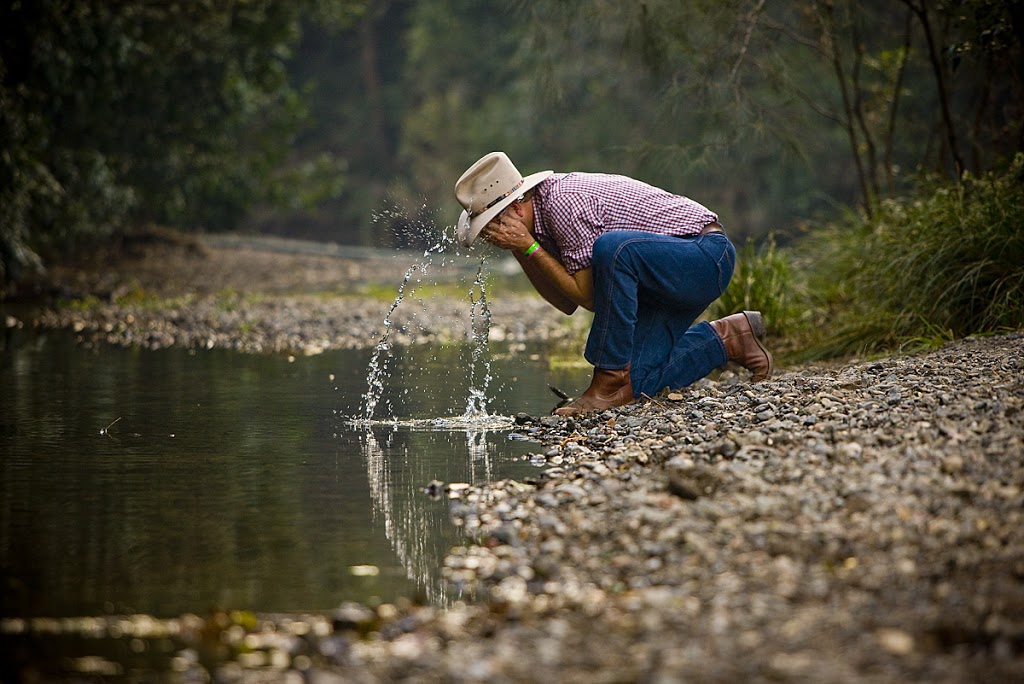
x=645, y=261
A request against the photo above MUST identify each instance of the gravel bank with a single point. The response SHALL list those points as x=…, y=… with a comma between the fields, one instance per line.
x=858, y=523
x=854, y=524
x=862, y=523
x=300, y=324
x=267, y=298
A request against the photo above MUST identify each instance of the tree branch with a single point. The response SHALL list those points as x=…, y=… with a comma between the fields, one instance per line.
x=858, y=108
x=751, y=23
x=897, y=88
x=832, y=35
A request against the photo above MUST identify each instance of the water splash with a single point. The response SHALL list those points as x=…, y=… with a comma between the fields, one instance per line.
x=382, y=352
x=480, y=320
x=480, y=329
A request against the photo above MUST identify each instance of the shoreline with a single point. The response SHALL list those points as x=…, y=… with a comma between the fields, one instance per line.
x=860, y=522
x=263, y=297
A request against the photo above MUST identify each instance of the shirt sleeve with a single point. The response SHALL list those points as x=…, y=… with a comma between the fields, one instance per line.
x=576, y=222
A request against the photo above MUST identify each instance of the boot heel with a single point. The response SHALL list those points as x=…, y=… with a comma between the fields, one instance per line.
x=756, y=323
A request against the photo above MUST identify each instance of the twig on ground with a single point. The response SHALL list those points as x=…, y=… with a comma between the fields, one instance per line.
x=106, y=430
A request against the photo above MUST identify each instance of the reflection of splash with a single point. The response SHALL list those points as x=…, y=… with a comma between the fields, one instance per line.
x=411, y=519
x=479, y=452
x=379, y=476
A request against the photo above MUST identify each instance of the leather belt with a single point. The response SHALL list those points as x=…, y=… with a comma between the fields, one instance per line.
x=713, y=227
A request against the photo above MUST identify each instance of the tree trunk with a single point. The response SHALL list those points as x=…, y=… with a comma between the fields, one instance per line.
x=379, y=143
x=940, y=82
x=848, y=122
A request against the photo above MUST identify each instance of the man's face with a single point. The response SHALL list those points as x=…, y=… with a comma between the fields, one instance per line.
x=515, y=209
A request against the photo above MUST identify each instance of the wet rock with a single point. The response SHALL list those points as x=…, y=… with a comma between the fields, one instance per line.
x=352, y=617
x=506, y=534
x=435, y=489
x=689, y=482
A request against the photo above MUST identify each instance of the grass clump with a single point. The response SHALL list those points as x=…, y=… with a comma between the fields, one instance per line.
x=763, y=281
x=924, y=270
x=943, y=263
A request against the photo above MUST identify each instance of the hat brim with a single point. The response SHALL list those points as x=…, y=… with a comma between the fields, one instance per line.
x=468, y=229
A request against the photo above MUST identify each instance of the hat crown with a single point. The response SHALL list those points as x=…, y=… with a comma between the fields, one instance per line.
x=493, y=178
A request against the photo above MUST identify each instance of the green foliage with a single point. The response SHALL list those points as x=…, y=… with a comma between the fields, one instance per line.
x=121, y=114
x=719, y=113
x=926, y=269
x=462, y=96
x=318, y=113
x=763, y=281
x=774, y=113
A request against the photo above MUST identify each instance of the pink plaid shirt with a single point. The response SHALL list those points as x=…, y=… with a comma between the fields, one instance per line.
x=572, y=209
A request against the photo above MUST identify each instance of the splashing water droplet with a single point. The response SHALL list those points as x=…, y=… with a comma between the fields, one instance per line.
x=382, y=353
x=480, y=323
x=480, y=328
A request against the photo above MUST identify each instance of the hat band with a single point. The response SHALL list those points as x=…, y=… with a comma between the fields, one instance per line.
x=500, y=197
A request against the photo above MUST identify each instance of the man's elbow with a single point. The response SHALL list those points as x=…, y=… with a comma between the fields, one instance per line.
x=567, y=307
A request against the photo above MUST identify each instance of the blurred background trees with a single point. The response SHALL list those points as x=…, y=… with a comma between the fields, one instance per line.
x=349, y=120
x=115, y=115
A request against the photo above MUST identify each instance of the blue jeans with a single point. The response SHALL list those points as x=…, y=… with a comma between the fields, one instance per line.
x=648, y=291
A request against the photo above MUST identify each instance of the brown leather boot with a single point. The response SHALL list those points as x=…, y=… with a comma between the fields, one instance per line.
x=608, y=388
x=740, y=333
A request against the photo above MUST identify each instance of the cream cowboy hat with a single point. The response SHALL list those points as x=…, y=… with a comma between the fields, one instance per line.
x=487, y=187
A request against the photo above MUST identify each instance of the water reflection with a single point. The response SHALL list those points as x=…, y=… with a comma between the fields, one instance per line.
x=232, y=480
x=416, y=526
x=406, y=522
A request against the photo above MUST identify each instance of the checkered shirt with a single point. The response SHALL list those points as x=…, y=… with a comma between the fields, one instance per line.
x=572, y=209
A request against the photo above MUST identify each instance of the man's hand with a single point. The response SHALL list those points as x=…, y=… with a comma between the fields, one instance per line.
x=508, y=231
x=511, y=230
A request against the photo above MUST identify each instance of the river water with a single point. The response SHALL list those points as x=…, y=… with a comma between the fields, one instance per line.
x=174, y=481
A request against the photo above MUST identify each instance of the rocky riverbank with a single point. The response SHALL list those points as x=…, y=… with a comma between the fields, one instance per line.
x=858, y=522
x=270, y=296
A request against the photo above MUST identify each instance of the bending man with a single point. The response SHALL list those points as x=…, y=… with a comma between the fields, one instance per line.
x=645, y=261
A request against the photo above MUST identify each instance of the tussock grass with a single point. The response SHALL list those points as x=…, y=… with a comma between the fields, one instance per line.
x=942, y=265
x=763, y=281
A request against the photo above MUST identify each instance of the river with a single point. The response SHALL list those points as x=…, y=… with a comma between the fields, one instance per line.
x=175, y=481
